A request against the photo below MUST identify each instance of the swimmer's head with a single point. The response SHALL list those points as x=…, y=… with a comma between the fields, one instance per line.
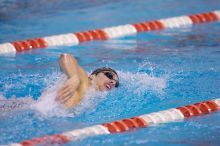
x=105, y=78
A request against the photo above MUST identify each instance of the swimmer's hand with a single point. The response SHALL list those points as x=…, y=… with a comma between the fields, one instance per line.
x=68, y=90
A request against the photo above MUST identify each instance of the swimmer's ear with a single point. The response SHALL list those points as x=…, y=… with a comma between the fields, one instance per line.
x=91, y=77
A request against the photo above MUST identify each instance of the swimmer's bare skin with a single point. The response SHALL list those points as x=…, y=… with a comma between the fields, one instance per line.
x=78, y=81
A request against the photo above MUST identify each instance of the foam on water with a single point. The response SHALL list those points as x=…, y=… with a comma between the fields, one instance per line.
x=13, y=105
x=141, y=82
x=135, y=83
x=46, y=103
x=48, y=107
x=90, y=101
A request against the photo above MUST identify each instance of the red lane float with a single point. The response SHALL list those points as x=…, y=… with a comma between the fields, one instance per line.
x=29, y=44
x=45, y=140
x=91, y=35
x=127, y=124
x=198, y=108
x=148, y=26
x=108, y=33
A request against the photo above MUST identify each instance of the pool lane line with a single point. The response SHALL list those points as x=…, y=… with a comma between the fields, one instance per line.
x=127, y=124
x=107, y=33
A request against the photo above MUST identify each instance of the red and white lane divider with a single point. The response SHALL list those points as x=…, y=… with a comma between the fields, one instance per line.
x=107, y=33
x=165, y=116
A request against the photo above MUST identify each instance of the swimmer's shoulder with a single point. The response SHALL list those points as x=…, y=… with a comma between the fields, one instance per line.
x=84, y=78
x=81, y=90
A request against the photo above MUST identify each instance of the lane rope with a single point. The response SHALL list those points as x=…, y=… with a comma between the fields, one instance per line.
x=107, y=33
x=127, y=124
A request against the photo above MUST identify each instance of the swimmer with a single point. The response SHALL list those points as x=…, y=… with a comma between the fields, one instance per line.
x=78, y=82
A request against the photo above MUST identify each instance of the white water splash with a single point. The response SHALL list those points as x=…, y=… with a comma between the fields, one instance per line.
x=48, y=107
x=14, y=104
x=142, y=82
x=90, y=101
x=137, y=83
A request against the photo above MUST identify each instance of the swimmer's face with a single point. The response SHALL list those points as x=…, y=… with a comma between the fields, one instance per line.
x=105, y=80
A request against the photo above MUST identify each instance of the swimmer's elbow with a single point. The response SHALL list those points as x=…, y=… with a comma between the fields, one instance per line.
x=66, y=57
x=69, y=65
x=65, y=54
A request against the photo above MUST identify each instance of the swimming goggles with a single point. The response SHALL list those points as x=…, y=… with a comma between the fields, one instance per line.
x=110, y=75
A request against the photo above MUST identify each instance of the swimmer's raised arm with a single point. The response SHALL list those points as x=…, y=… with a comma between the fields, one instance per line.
x=69, y=65
x=79, y=82
x=71, y=68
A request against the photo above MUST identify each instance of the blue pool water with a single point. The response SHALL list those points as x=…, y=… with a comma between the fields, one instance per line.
x=158, y=70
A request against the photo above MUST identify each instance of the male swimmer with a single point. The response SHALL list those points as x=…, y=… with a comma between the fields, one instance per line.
x=74, y=88
x=78, y=82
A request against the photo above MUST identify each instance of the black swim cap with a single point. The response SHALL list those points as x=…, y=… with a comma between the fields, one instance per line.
x=103, y=69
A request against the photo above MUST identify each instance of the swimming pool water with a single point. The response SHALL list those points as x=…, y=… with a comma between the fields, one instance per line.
x=158, y=70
